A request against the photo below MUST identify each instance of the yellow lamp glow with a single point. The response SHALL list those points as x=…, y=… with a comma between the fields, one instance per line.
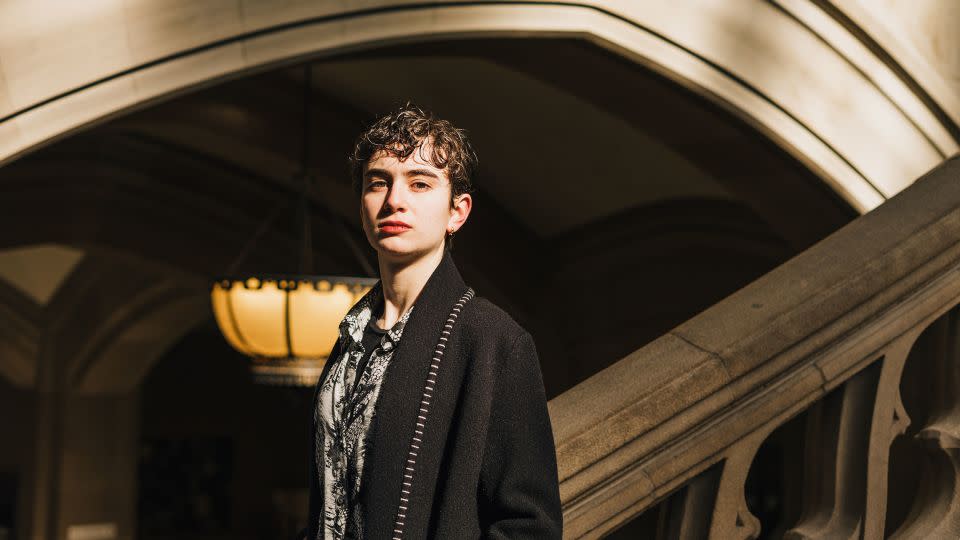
x=288, y=325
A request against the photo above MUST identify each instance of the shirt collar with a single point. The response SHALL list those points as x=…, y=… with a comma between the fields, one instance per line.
x=355, y=322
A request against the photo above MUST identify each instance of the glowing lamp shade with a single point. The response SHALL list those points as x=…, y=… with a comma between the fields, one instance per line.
x=288, y=325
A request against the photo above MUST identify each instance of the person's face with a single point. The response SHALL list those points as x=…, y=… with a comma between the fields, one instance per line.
x=405, y=205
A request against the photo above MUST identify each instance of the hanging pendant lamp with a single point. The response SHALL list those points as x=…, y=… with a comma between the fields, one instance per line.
x=288, y=323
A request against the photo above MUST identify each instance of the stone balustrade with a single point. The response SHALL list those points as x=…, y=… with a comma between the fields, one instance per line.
x=828, y=334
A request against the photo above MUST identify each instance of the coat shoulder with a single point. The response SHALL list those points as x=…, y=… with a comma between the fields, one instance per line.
x=483, y=317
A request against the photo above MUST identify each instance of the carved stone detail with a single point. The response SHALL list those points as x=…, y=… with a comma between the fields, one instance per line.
x=935, y=512
x=837, y=317
x=838, y=437
x=731, y=517
x=890, y=419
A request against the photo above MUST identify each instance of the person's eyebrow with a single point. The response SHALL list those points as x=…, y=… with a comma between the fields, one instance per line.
x=422, y=172
x=377, y=173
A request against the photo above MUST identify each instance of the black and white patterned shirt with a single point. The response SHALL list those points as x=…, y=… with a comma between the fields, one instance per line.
x=345, y=408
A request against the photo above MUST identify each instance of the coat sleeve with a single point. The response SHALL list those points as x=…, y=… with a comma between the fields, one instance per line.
x=519, y=495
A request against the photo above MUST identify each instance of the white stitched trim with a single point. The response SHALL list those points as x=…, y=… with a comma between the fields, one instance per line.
x=425, y=401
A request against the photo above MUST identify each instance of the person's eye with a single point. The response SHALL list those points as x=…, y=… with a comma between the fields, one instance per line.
x=376, y=185
x=421, y=185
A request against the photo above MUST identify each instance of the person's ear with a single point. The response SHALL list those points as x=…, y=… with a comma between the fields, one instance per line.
x=459, y=212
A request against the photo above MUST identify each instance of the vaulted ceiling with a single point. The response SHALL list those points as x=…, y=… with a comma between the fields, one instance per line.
x=591, y=167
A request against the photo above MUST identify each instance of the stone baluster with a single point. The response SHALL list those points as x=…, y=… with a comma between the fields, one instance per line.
x=935, y=512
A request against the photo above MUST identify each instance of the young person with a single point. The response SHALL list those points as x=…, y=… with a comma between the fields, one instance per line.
x=430, y=418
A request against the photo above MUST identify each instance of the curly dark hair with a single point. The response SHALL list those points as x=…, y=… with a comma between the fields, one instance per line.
x=404, y=131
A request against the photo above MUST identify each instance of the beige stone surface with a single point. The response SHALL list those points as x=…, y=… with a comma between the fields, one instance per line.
x=157, y=30
x=821, y=322
x=593, y=420
x=832, y=30
x=11, y=144
x=260, y=14
x=121, y=365
x=5, y=104
x=821, y=284
x=165, y=79
x=753, y=40
x=922, y=36
x=59, y=118
x=98, y=472
x=776, y=73
x=51, y=47
x=16, y=364
x=100, y=335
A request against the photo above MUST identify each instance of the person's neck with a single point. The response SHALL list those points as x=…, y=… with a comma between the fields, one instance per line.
x=402, y=283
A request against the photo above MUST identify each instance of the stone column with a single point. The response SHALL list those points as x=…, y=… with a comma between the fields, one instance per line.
x=86, y=455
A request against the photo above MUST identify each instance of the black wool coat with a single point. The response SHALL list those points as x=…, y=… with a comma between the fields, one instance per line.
x=486, y=466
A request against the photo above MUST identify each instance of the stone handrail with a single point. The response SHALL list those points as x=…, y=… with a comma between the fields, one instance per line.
x=844, y=313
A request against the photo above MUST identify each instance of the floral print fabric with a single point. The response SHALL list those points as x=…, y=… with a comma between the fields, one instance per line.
x=343, y=417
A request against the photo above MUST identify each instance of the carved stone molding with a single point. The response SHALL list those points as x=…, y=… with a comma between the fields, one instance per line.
x=835, y=321
x=835, y=498
x=935, y=510
x=21, y=325
x=788, y=71
x=730, y=516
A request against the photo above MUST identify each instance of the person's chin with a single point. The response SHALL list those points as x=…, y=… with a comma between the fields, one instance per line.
x=401, y=250
x=396, y=248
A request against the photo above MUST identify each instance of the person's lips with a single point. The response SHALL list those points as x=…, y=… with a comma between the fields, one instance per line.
x=393, y=227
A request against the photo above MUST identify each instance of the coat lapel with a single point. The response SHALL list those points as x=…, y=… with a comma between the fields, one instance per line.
x=399, y=401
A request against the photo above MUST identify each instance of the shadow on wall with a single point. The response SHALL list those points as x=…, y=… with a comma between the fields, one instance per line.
x=221, y=457
x=8, y=500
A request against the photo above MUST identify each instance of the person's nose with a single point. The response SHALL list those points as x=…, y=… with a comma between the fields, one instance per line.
x=396, y=200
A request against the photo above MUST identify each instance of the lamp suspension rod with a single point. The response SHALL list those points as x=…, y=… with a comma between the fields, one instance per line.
x=307, y=114
x=354, y=248
x=337, y=224
x=261, y=230
x=306, y=256
x=306, y=253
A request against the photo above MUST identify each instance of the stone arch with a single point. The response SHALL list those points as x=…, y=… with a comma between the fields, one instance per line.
x=795, y=73
x=122, y=354
x=112, y=317
x=20, y=330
